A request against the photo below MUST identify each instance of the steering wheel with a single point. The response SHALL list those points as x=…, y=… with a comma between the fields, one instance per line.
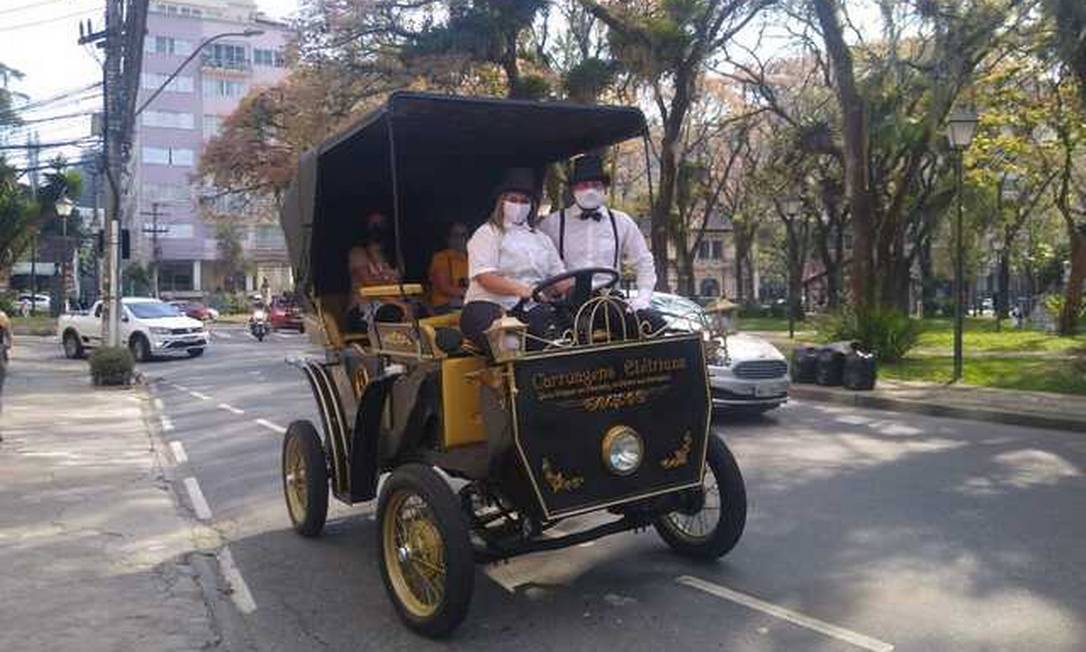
x=582, y=285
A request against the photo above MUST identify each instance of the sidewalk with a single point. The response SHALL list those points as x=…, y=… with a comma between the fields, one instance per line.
x=93, y=551
x=1035, y=409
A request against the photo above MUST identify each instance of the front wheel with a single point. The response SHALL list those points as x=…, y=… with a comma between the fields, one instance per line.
x=425, y=555
x=305, y=478
x=712, y=529
x=73, y=348
x=140, y=348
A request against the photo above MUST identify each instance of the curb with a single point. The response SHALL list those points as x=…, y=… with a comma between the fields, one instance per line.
x=866, y=400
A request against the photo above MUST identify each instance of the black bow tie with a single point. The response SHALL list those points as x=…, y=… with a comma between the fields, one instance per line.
x=591, y=215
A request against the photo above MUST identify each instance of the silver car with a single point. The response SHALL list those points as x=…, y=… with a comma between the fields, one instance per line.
x=748, y=375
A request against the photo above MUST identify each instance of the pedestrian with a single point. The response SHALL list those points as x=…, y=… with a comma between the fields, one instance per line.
x=591, y=234
x=5, y=347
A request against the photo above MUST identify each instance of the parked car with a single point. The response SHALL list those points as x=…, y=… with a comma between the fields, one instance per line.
x=34, y=302
x=749, y=375
x=196, y=310
x=284, y=312
x=149, y=328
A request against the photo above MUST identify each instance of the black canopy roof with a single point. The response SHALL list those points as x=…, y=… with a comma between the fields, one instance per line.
x=449, y=154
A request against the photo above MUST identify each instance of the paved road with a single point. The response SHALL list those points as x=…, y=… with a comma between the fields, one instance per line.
x=885, y=529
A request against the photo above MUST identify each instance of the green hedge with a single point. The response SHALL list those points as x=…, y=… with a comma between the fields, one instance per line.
x=886, y=333
x=111, y=366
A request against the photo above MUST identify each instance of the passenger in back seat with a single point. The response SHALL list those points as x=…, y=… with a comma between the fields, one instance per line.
x=367, y=263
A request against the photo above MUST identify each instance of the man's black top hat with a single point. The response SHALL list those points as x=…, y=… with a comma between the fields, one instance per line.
x=588, y=168
x=518, y=180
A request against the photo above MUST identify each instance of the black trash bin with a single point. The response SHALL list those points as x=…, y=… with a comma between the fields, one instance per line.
x=831, y=364
x=860, y=370
x=804, y=364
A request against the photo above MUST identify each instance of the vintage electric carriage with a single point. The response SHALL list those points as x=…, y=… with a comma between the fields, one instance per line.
x=605, y=420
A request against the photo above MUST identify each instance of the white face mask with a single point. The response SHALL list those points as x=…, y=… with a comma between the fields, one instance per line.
x=515, y=214
x=589, y=199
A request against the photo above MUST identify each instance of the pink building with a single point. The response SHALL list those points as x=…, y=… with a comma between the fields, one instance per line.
x=171, y=133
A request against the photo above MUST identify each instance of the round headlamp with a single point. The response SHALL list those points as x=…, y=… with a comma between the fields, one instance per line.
x=622, y=450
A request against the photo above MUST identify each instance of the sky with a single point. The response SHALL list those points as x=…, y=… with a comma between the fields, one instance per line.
x=38, y=38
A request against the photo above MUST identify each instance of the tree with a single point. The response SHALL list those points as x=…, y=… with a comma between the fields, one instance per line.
x=231, y=255
x=893, y=99
x=666, y=45
x=18, y=218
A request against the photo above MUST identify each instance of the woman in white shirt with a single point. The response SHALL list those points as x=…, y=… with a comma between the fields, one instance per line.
x=507, y=257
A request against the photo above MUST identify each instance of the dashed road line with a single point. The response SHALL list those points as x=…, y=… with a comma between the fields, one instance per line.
x=199, y=395
x=167, y=423
x=224, y=336
x=178, y=451
x=199, y=503
x=158, y=404
x=794, y=617
x=230, y=408
x=180, y=387
x=270, y=426
x=239, y=590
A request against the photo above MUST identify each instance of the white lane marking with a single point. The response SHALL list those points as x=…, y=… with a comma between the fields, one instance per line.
x=167, y=423
x=239, y=590
x=199, y=503
x=231, y=408
x=158, y=404
x=178, y=451
x=225, y=336
x=181, y=387
x=796, y=618
x=199, y=395
x=270, y=426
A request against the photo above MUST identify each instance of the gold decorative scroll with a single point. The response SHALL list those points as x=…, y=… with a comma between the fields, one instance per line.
x=681, y=455
x=558, y=480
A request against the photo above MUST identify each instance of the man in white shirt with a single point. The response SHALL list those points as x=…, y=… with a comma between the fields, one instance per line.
x=590, y=234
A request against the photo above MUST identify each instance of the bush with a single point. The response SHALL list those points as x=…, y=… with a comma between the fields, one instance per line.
x=886, y=333
x=111, y=365
x=8, y=305
x=1054, y=303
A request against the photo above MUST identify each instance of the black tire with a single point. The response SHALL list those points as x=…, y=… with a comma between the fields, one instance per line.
x=438, y=524
x=195, y=353
x=675, y=528
x=260, y=336
x=140, y=348
x=73, y=348
x=306, y=497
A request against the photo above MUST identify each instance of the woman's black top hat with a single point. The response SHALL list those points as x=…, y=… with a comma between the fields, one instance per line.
x=588, y=167
x=518, y=180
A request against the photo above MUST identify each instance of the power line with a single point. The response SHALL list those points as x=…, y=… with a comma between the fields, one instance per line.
x=66, y=143
x=33, y=5
x=55, y=98
x=35, y=23
x=54, y=118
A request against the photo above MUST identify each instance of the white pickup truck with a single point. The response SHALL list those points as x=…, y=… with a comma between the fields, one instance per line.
x=149, y=328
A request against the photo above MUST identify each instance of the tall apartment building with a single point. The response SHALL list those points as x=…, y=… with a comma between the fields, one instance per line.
x=171, y=134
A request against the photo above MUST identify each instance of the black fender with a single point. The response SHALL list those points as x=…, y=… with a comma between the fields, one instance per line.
x=364, y=465
x=333, y=422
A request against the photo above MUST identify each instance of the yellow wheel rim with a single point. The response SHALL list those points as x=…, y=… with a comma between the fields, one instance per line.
x=294, y=479
x=414, y=553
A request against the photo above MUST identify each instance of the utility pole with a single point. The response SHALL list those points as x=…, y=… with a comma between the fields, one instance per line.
x=155, y=250
x=32, y=159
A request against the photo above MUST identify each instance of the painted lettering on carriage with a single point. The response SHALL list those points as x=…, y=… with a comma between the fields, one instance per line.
x=626, y=383
x=615, y=401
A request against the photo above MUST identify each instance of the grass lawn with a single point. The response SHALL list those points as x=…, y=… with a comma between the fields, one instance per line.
x=33, y=325
x=1063, y=376
x=981, y=335
x=770, y=324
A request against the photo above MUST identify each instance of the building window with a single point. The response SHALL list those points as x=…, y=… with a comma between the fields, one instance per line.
x=268, y=236
x=718, y=250
x=152, y=80
x=168, y=119
x=212, y=126
x=165, y=192
x=710, y=287
x=703, y=250
x=220, y=55
x=175, y=276
x=173, y=156
x=167, y=45
x=172, y=231
x=270, y=58
x=223, y=88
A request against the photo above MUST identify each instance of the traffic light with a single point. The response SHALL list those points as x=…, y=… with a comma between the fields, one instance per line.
x=126, y=244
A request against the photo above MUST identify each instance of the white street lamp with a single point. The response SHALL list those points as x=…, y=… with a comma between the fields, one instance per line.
x=792, y=207
x=960, y=127
x=64, y=206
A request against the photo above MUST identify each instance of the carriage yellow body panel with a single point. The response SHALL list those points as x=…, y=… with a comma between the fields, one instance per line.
x=461, y=411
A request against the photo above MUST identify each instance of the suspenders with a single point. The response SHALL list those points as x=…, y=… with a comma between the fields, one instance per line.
x=562, y=235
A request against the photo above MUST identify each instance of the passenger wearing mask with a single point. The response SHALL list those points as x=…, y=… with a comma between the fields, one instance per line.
x=507, y=257
x=590, y=234
x=368, y=265
x=449, y=272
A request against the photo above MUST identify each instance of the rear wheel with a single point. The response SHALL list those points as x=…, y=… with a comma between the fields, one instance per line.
x=425, y=554
x=73, y=348
x=140, y=348
x=305, y=478
x=195, y=353
x=712, y=527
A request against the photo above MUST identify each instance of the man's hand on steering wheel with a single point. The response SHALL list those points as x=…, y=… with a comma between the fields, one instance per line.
x=577, y=285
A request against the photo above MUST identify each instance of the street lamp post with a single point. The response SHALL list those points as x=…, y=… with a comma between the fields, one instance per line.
x=63, y=207
x=961, y=125
x=792, y=207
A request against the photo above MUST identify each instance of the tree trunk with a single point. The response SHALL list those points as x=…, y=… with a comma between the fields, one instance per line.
x=669, y=173
x=1072, y=301
x=854, y=132
x=1002, y=297
x=927, y=281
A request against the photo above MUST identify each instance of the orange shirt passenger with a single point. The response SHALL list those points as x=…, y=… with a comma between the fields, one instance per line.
x=449, y=271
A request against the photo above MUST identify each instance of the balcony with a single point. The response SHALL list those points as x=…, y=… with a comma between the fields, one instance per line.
x=226, y=64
